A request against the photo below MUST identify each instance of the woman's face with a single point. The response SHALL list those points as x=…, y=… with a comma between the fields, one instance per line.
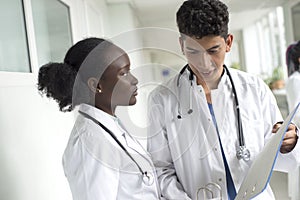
x=118, y=85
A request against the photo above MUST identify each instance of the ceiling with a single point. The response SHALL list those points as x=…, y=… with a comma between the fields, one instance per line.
x=161, y=13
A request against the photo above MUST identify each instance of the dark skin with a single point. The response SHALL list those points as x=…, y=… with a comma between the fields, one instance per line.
x=117, y=86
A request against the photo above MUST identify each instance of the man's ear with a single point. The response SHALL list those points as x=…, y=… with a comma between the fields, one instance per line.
x=94, y=85
x=229, y=41
x=181, y=42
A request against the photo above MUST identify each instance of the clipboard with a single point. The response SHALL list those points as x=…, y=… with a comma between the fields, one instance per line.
x=258, y=177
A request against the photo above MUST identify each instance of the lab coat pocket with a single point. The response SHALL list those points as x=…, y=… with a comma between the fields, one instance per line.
x=253, y=135
x=190, y=136
x=208, y=198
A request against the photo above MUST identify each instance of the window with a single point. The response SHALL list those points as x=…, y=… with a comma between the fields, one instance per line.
x=14, y=52
x=20, y=49
x=52, y=30
x=296, y=18
x=265, y=42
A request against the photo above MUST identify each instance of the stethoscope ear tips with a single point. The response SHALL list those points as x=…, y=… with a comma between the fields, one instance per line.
x=190, y=111
x=178, y=116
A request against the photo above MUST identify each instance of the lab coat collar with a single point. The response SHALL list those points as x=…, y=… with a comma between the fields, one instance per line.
x=224, y=81
x=99, y=115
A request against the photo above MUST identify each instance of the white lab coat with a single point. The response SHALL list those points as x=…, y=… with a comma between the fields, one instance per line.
x=187, y=153
x=293, y=94
x=98, y=169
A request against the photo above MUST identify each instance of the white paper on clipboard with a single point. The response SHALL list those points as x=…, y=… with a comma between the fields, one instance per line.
x=261, y=169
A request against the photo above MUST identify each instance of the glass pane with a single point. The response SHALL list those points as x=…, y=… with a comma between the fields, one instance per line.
x=296, y=19
x=52, y=30
x=14, y=55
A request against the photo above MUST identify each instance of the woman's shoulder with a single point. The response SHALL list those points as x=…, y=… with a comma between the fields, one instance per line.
x=91, y=140
x=295, y=77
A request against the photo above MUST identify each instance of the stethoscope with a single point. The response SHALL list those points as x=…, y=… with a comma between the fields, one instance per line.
x=209, y=189
x=242, y=151
x=147, y=177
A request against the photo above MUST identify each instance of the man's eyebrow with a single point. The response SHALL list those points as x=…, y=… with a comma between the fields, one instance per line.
x=190, y=48
x=211, y=48
x=214, y=47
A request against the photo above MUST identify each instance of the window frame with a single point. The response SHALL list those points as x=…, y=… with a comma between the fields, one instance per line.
x=9, y=79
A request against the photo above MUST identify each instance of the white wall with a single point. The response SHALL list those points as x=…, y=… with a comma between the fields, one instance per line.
x=32, y=140
x=252, y=49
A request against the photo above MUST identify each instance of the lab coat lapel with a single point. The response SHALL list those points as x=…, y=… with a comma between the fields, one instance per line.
x=220, y=101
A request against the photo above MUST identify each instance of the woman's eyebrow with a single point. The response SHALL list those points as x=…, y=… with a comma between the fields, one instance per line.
x=125, y=67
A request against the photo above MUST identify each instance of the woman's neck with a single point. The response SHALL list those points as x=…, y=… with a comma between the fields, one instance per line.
x=109, y=109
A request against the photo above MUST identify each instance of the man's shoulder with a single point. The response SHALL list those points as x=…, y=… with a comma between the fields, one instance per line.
x=245, y=77
x=167, y=87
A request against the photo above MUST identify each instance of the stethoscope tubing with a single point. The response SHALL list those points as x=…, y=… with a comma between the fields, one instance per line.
x=242, y=147
x=239, y=120
x=116, y=139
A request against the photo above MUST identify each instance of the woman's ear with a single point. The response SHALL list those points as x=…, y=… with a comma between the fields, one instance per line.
x=94, y=85
x=228, y=41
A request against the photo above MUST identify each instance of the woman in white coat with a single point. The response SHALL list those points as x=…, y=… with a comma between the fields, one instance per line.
x=293, y=98
x=194, y=119
x=293, y=82
x=102, y=160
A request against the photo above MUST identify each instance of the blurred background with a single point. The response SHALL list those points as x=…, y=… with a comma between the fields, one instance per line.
x=33, y=133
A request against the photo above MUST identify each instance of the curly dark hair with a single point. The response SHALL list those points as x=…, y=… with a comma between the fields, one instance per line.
x=56, y=80
x=199, y=18
x=295, y=55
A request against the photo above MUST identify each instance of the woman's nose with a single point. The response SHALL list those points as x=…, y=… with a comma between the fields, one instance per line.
x=134, y=80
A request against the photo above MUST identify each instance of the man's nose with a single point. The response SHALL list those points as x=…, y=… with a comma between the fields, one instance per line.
x=203, y=61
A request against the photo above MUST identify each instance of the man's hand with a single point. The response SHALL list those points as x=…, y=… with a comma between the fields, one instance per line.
x=290, y=139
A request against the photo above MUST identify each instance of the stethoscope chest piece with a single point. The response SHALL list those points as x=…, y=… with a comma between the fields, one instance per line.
x=243, y=153
x=148, y=178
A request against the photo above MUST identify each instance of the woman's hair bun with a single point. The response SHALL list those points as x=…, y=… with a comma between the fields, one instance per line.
x=56, y=80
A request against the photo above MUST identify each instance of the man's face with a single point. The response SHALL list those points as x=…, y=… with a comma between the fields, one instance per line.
x=206, y=56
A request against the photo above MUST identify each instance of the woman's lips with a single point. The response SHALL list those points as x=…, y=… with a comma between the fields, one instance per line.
x=135, y=93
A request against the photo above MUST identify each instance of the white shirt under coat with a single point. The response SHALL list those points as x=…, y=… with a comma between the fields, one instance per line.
x=97, y=168
x=187, y=152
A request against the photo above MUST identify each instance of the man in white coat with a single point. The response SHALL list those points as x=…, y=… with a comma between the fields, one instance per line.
x=208, y=123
